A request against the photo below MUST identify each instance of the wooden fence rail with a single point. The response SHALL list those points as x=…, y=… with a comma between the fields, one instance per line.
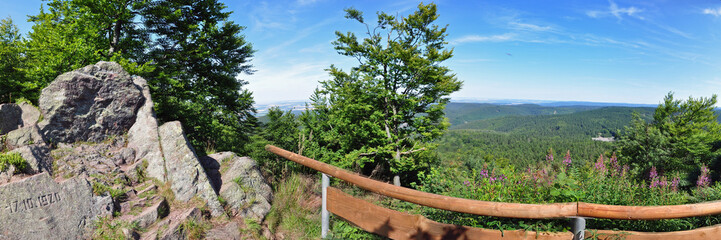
x=519, y=210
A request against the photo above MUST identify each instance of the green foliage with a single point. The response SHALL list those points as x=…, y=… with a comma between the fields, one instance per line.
x=195, y=228
x=199, y=55
x=108, y=229
x=604, y=182
x=11, y=80
x=389, y=107
x=288, y=214
x=344, y=230
x=100, y=189
x=682, y=136
x=188, y=51
x=14, y=159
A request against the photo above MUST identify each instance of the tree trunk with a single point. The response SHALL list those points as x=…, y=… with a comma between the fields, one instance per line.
x=116, y=37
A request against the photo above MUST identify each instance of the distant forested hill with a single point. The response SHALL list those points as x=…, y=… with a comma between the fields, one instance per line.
x=460, y=113
x=606, y=120
x=522, y=134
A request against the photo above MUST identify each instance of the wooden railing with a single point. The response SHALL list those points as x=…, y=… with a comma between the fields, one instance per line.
x=404, y=226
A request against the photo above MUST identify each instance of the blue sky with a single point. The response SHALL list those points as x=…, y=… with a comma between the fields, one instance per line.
x=602, y=51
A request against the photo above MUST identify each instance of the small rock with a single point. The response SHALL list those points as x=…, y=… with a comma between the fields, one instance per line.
x=10, y=117
x=123, y=156
x=245, y=190
x=148, y=216
x=130, y=234
x=169, y=228
x=228, y=231
x=37, y=157
x=30, y=114
x=7, y=175
x=24, y=136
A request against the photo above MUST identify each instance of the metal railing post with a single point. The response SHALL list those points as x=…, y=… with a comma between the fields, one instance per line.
x=578, y=227
x=325, y=217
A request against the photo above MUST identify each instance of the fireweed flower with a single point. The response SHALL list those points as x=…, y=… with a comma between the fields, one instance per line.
x=674, y=183
x=703, y=179
x=616, y=169
x=600, y=166
x=549, y=156
x=567, y=159
x=484, y=173
x=653, y=174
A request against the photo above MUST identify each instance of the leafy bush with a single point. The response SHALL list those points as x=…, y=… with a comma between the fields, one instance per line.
x=14, y=159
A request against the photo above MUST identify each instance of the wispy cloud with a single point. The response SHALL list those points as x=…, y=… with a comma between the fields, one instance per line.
x=716, y=82
x=306, y=2
x=618, y=12
x=492, y=38
x=711, y=11
x=529, y=27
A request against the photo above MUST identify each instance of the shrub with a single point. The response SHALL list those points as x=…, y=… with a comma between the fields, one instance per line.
x=14, y=159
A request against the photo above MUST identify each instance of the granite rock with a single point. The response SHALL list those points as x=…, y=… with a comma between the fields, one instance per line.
x=89, y=104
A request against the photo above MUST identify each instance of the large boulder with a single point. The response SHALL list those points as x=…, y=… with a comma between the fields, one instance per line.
x=10, y=117
x=244, y=189
x=40, y=208
x=185, y=173
x=89, y=104
x=143, y=135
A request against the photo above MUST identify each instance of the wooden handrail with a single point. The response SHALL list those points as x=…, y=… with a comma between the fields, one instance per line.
x=648, y=212
x=501, y=209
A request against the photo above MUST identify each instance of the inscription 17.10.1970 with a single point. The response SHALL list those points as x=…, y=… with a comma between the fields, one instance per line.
x=33, y=202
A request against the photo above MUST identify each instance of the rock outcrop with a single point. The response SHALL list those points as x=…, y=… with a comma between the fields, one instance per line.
x=89, y=104
x=186, y=175
x=96, y=153
x=242, y=186
x=39, y=208
x=143, y=136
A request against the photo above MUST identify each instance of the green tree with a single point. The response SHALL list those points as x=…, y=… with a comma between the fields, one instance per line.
x=10, y=55
x=682, y=135
x=384, y=112
x=188, y=51
x=199, y=55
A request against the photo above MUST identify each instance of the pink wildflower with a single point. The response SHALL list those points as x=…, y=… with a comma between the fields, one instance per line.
x=567, y=159
x=703, y=179
x=600, y=166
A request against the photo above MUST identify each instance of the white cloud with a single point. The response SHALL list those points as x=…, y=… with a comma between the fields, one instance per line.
x=530, y=27
x=614, y=10
x=476, y=38
x=710, y=11
x=289, y=80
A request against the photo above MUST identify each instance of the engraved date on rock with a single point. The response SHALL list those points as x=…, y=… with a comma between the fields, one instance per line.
x=33, y=202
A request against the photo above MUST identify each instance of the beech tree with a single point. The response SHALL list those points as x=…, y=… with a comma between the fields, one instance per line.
x=382, y=114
